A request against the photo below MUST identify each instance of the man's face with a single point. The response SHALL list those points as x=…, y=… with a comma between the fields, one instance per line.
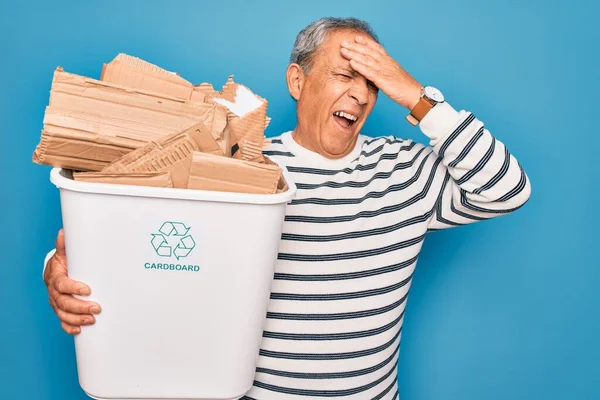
x=334, y=101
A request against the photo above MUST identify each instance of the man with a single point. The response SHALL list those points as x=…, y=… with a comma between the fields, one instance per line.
x=353, y=233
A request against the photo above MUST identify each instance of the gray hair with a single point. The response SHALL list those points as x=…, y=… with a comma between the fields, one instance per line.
x=310, y=38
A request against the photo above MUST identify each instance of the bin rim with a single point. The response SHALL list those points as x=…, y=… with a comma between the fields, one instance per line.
x=59, y=177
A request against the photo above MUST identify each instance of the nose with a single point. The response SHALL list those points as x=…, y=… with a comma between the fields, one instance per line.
x=359, y=90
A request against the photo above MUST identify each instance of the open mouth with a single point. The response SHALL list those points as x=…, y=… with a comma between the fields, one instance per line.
x=344, y=119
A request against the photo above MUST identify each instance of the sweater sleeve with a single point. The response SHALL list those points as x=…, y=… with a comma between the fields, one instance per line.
x=480, y=178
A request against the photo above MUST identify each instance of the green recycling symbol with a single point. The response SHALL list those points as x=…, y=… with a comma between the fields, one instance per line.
x=173, y=233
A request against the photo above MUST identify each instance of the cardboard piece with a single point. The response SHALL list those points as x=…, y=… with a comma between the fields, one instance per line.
x=251, y=151
x=84, y=151
x=173, y=154
x=247, y=118
x=202, y=92
x=90, y=123
x=209, y=172
x=249, y=132
x=218, y=126
x=282, y=185
x=136, y=73
x=154, y=179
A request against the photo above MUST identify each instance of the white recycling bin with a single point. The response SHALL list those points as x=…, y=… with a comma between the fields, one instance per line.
x=183, y=278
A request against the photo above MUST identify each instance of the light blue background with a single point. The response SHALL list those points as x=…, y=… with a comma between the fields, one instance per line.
x=505, y=309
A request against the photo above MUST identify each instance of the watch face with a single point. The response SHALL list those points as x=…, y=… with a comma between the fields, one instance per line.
x=434, y=94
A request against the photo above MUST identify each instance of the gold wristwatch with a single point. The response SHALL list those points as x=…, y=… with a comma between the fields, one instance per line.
x=430, y=96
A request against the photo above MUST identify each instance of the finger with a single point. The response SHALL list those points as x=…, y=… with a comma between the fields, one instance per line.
x=362, y=49
x=75, y=319
x=371, y=43
x=60, y=243
x=72, y=305
x=70, y=329
x=364, y=70
x=65, y=285
x=52, y=303
x=361, y=58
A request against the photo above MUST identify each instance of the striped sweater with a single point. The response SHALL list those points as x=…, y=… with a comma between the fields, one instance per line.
x=349, y=247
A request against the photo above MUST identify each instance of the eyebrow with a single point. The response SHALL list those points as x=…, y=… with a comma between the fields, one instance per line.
x=353, y=73
x=347, y=70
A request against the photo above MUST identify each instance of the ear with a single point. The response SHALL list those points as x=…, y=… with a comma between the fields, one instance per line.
x=295, y=80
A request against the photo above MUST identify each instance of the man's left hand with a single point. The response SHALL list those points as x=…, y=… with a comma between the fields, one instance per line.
x=370, y=59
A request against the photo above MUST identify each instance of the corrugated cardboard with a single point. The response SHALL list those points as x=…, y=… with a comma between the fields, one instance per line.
x=218, y=126
x=143, y=125
x=209, y=172
x=251, y=151
x=154, y=179
x=282, y=185
x=202, y=92
x=249, y=131
x=108, y=120
x=136, y=73
x=173, y=154
x=84, y=151
x=247, y=118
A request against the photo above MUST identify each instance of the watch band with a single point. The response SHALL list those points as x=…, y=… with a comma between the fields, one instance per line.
x=420, y=110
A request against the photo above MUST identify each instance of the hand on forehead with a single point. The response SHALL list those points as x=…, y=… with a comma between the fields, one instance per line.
x=364, y=49
x=369, y=59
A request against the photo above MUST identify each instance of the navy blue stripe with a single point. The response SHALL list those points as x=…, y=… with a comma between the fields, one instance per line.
x=468, y=148
x=330, y=375
x=499, y=175
x=438, y=209
x=333, y=336
x=354, y=200
x=387, y=390
x=348, y=275
x=340, y=296
x=278, y=153
x=356, y=234
x=361, y=184
x=351, y=255
x=331, y=356
x=358, y=167
x=464, y=214
x=325, y=393
x=387, y=140
x=465, y=202
x=338, y=316
x=517, y=189
x=486, y=157
x=470, y=118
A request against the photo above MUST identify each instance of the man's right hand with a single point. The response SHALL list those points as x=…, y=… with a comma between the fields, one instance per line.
x=72, y=312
